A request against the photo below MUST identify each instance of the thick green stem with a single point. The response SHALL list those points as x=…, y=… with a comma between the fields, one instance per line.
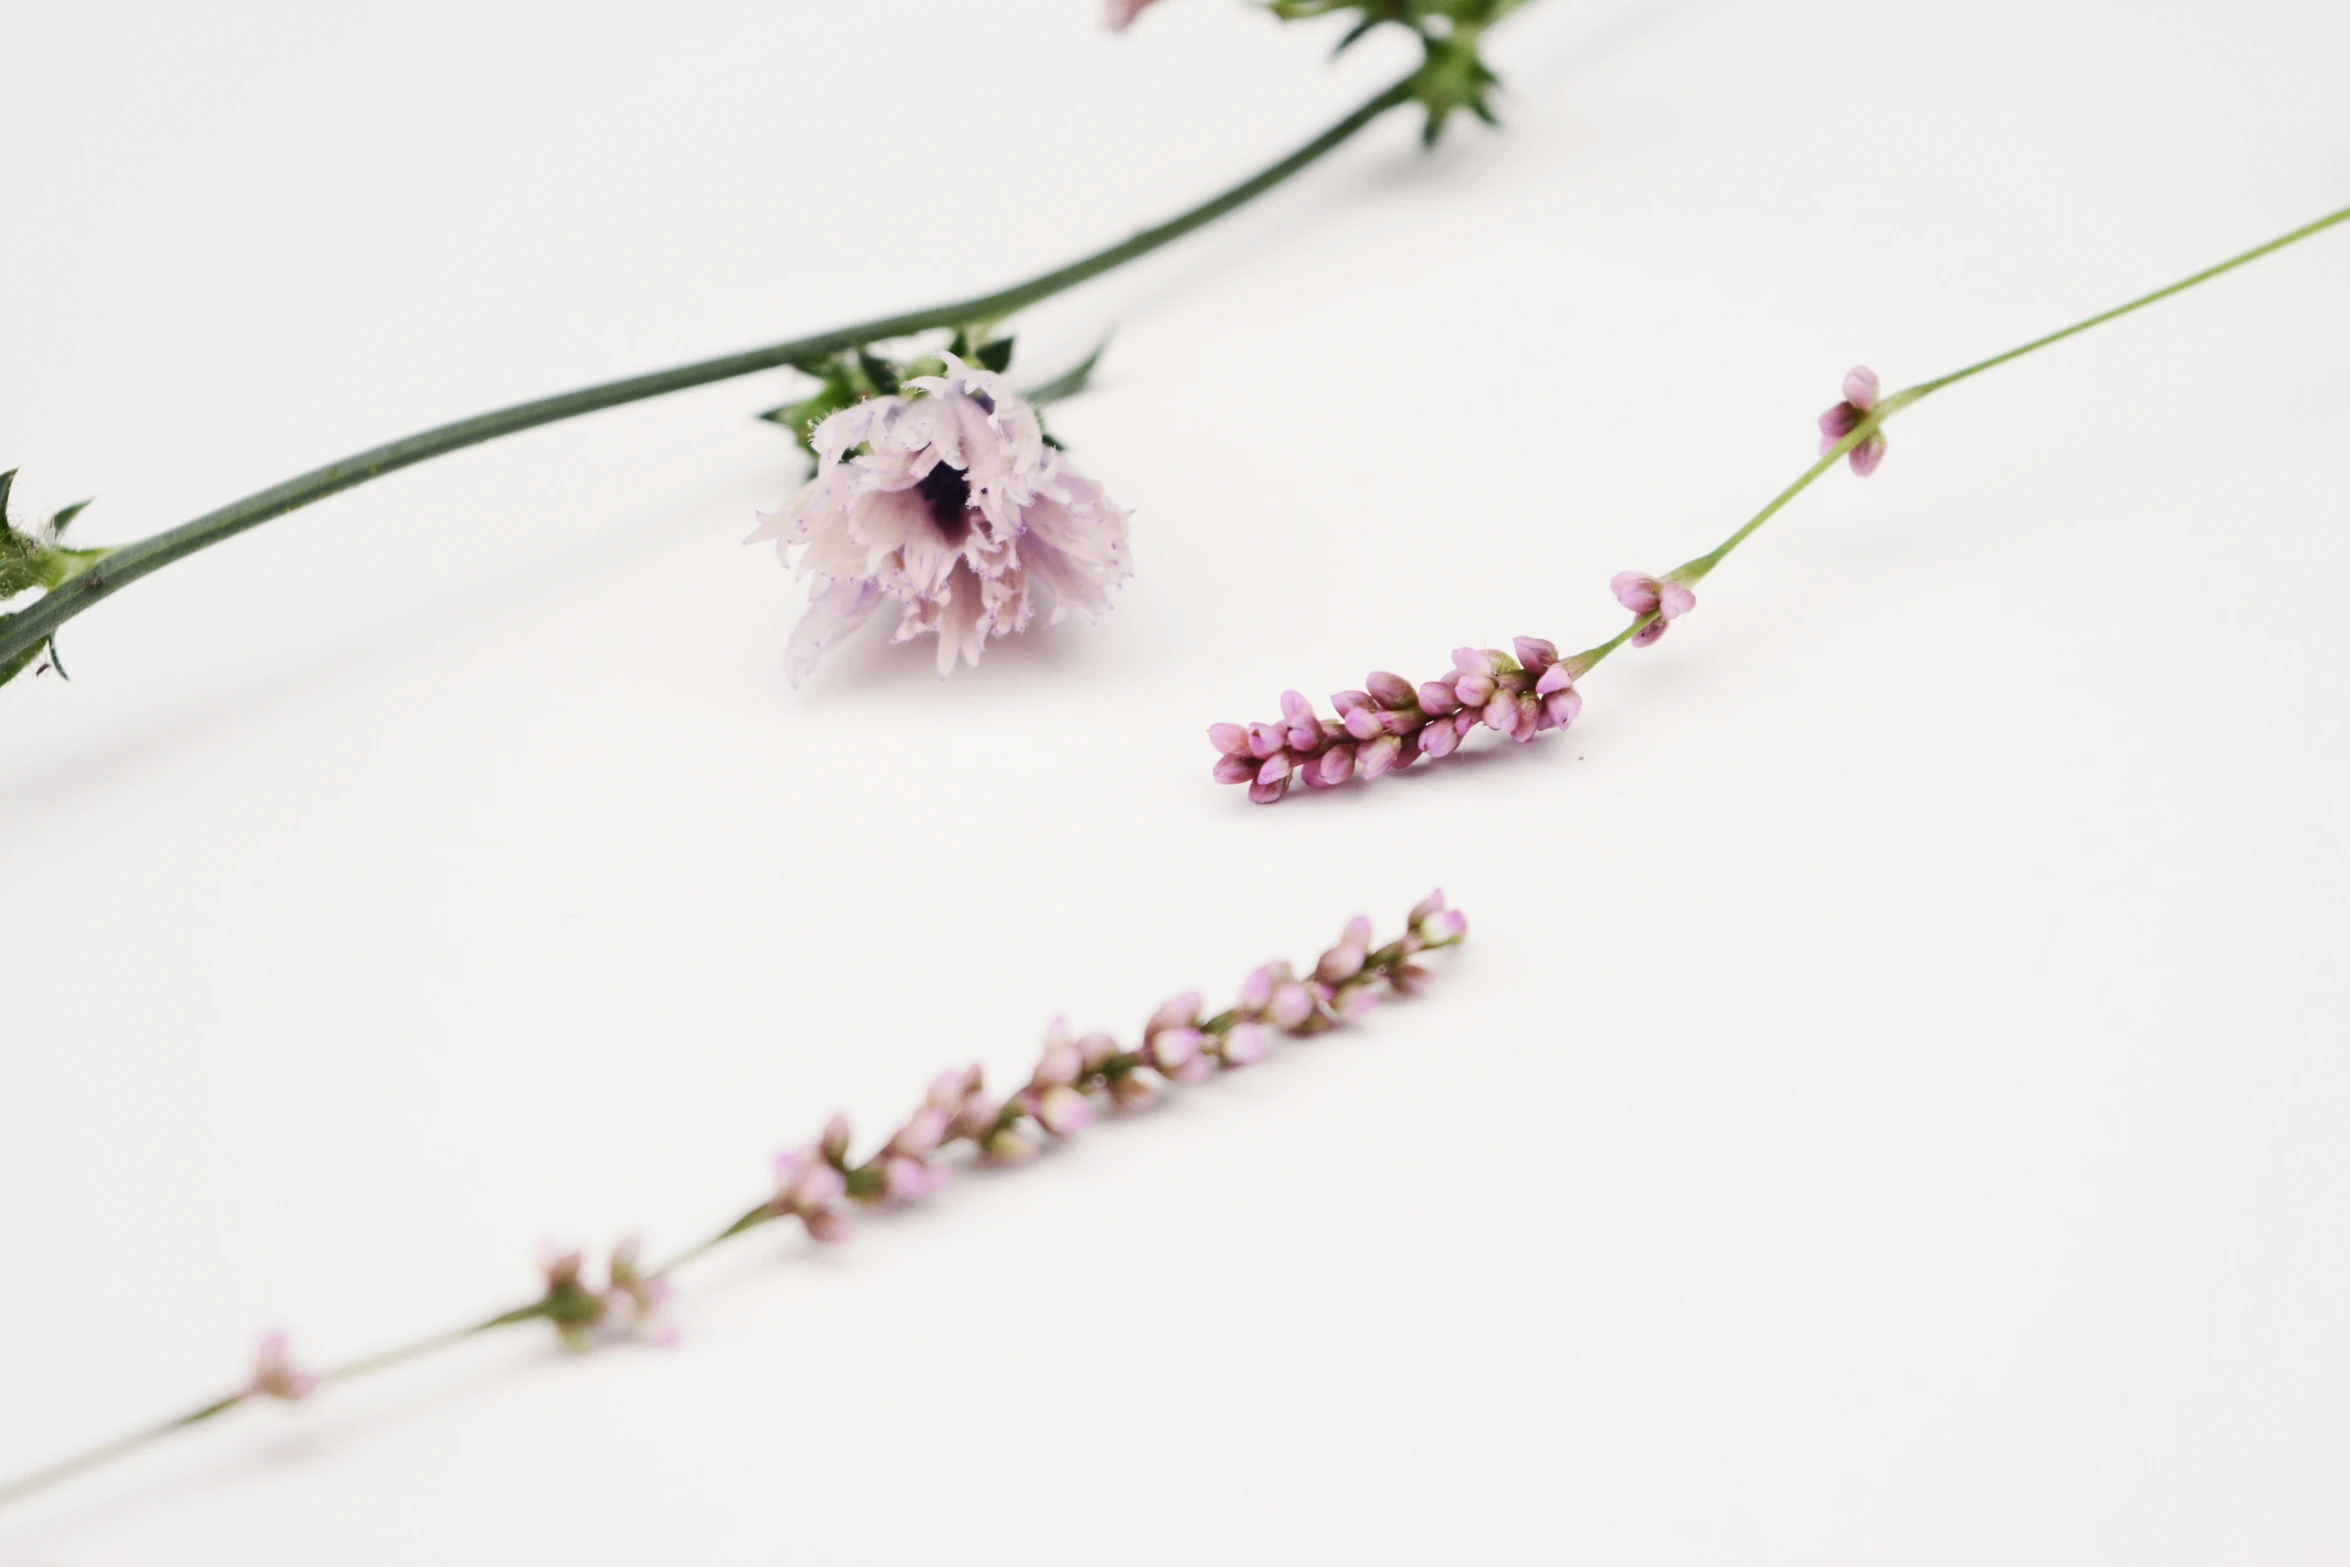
x=30, y=628
x=1699, y=567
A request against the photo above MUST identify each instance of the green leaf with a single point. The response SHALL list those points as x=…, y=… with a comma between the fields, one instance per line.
x=57, y=524
x=878, y=370
x=7, y=483
x=996, y=356
x=1070, y=381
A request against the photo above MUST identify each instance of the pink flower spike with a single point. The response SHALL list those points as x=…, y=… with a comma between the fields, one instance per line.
x=1231, y=739
x=1244, y=1045
x=1860, y=387
x=1391, y=691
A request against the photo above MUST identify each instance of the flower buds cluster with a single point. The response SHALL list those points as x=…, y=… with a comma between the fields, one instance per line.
x=1392, y=723
x=1665, y=598
x=627, y=1307
x=1860, y=398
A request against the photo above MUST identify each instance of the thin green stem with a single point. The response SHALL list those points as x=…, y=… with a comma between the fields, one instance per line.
x=30, y=628
x=1699, y=567
x=120, y=1447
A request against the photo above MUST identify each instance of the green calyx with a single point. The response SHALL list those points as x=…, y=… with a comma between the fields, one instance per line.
x=851, y=375
x=34, y=557
x=1452, y=76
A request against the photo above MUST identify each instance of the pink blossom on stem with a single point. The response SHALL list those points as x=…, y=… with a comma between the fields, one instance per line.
x=1860, y=398
x=948, y=504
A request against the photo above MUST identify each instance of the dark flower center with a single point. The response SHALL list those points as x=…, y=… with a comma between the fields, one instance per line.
x=946, y=489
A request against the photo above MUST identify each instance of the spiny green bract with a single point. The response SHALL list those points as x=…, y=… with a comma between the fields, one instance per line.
x=31, y=556
x=1453, y=75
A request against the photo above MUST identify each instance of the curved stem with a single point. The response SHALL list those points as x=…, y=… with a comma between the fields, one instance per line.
x=30, y=628
x=1698, y=567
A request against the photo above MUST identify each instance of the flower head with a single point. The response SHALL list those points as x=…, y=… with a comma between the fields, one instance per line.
x=1860, y=398
x=950, y=505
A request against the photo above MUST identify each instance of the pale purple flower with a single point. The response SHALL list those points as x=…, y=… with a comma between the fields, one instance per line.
x=1391, y=723
x=275, y=1374
x=950, y=506
x=1662, y=597
x=1860, y=397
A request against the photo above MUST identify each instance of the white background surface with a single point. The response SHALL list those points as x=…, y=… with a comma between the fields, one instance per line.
x=1890, y=1108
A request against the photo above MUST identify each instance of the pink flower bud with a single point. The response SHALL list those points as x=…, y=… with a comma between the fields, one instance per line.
x=1635, y=591
x=1257, y=989
x=833, y=1146
x=1366, y=723
x=1235, y=769
x=1132, y=1091
x=1337, y=765
x=1447, y=925
x=1674, y=600
x=1357, y=931
x=1469, y=661
x=1180, y=1010
x=1196, y=1070
x=1341, y=962
x=1009, y=1145
x=1097, y=1048
x=1171, y=1049
x=950, y=1088
x=828, y=1225
x=906, y=1180
x=1860, y=387
x=1244, y=1045
x=1431, y=904
x=923, y=1131
x=1865, y=457
x=1650, y=632
x=1437, y=697
x=1534, y=653
x=1560, y=707
x=979, y=1115
x=1380, y=755
x=1391, y=691
x=1231, y=739
x=1474, y=690
x=1292, y=1005
x=1354, y=1002
x=1407, y=978
x=1348, y=702
x=818, y=1186
x=1266, y=740
x=1267, y=793
x=1439, y=740
x=1555, y=678
x=1063, y=1111
x=1274, y=770
x=1059, y=1065
x=1502, y=713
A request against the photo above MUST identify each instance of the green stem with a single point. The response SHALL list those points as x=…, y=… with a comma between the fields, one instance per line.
x=1698, y=568
x=29, y=628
